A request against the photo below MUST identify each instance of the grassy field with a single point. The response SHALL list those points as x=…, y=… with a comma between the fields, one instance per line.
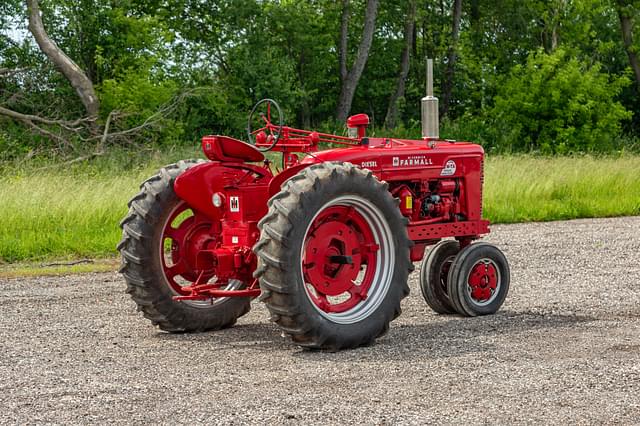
x=524, y=189
x=73, y=212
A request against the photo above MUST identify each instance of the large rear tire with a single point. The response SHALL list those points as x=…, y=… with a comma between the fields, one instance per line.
x=333, y=257
x=158, y=235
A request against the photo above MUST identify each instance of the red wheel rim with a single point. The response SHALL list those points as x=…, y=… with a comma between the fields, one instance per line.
x=347, y=259
x=483, y=282
x=184, y=234
x=338, y=244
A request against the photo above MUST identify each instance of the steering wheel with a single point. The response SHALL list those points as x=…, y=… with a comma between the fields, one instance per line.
x=269, y=133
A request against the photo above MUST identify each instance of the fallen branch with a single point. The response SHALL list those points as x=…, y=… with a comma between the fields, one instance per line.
x=69, y=125
x=9, y=71
x=75, y=262
x=75, y=160
x=154, y=118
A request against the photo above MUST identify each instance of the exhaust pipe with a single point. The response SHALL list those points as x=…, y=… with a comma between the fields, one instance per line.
x=430, y=118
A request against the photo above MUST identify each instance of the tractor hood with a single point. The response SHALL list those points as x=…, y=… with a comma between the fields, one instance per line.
x=392, y=155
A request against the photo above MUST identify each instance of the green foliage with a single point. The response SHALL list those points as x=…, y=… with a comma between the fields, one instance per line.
x=558, y=104
x=543, y=75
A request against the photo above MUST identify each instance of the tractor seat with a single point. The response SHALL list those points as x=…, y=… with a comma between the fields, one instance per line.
x=224, y=148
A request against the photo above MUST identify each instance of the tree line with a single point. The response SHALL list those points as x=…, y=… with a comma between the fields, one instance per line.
x=551, y=76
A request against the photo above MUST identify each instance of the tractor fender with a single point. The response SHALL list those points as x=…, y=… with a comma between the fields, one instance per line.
x=285, y=175
x=197, y=185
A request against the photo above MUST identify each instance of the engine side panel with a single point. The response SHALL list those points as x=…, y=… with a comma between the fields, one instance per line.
x=415, y=161
x=439, y=185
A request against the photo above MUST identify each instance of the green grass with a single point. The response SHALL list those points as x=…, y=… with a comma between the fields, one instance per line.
x=73, y=212
x=525, y=188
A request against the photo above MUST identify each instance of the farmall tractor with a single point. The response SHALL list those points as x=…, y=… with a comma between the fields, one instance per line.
x=327, y=241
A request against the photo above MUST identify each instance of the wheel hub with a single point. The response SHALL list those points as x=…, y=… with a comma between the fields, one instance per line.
x=333, y=258
x=187, y=238
x=483, y=281
x=339, y=259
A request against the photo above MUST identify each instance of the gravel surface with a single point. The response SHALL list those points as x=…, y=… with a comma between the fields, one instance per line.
x=565, y=348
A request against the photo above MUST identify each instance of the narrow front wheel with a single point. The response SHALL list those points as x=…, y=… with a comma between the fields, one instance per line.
x=434, y=275
x=478, y=280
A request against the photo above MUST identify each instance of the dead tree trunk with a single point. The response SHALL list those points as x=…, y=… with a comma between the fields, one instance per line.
x=409, y=25
x=344, y=40
x=73, y=73
x=627, y=37
x=452, y=57
x=352, y=77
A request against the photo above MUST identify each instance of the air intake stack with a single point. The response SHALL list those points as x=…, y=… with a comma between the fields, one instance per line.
x=430, y=119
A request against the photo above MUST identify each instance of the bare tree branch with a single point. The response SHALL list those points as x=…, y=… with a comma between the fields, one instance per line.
x=350, y=82
x=150, y=121
x=73, y=73
x=626, y=26
x=344, y=39
x=79, y=129
x=69, y=125
x=105, y=133
x=10, y=71
x=452, y=57
x=409, y=25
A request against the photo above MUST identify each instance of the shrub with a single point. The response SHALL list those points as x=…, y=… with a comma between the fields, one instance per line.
x=558, y=104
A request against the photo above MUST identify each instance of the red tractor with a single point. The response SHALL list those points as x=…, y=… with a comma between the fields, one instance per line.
x=327, y=242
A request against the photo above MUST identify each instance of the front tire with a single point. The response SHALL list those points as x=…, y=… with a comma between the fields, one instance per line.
x=434, y=275
x=157, y=246
x=333, y=257
x=479, y=280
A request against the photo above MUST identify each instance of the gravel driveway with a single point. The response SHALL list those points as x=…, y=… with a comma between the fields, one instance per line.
x=565, y=348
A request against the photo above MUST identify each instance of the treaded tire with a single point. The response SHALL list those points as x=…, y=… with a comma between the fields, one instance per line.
x=142, y=264
x=431, y=274
x=459, y=274
x=279, y=250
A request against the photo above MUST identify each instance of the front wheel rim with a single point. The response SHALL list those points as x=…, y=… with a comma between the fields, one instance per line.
x=483, y=282
x=347, y=259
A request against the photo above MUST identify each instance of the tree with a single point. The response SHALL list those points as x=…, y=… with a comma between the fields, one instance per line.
x=452, y=56
x=392, y=110
x=350, y=78
x=76, y=76
x=51, y=72
x=625, y=9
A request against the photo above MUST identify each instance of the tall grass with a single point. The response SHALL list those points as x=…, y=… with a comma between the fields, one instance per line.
x=74, y=211
x=56, y=215
x=525, y=188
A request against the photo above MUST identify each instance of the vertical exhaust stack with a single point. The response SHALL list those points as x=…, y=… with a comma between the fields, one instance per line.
x=430, y=118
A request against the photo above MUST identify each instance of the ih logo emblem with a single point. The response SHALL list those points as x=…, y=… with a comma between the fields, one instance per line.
x=396, y=161
x=449, y=168
x=234, y=204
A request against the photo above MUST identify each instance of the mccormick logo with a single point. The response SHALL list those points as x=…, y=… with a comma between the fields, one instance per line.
x=412, y=160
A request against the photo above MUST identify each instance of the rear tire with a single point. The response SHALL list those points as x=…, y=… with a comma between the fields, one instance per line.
x=479, y=280
x=434, y=275
x=333, y=257
x=143, y=267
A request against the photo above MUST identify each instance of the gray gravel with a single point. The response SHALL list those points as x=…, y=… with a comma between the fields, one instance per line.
x=565, y=348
